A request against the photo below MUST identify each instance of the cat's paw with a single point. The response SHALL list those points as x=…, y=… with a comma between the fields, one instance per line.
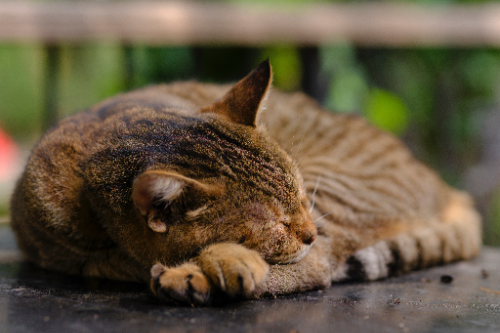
x=232, y=268
x=185, y=283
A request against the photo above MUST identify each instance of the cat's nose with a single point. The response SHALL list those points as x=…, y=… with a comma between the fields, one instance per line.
x=308, y=230
x=308, y=236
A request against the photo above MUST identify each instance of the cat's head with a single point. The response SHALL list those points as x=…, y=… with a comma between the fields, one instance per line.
x=229, y=182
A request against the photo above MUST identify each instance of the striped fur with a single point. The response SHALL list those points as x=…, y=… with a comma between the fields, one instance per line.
x=363, y=178
x=244, y=193
x=455, y=237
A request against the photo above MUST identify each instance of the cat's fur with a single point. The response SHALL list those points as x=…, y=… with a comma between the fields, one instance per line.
x=192, y=187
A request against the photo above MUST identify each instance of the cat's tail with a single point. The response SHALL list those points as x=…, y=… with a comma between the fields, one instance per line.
x=456, y=235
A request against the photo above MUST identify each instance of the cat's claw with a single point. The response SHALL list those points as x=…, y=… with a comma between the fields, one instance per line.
x=185, y=284
x=228, y=268
x=233, y=269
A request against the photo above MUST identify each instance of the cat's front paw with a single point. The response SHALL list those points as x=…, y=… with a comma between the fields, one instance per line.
x=233, y=269
x=185, y=283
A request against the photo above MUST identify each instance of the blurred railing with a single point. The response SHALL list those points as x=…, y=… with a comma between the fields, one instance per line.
x=188, y=22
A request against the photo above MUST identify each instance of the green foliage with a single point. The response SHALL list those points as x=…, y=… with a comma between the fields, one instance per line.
x=222, y=64
x=286, y=66
x=348, y=86
x=21, y=94
x=146, y=65
x=480, y=71
x=4, y=209
x=87, y=75
x=386, y=111
x=492, y=228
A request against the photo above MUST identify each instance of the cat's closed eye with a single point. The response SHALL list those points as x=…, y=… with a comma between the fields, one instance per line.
x=286, y=222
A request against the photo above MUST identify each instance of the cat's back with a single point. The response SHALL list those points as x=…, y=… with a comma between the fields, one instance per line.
x=359, y=174
x=351, y=158
x=368, y=172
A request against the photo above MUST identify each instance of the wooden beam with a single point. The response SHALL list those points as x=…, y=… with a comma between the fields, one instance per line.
x=202, y=23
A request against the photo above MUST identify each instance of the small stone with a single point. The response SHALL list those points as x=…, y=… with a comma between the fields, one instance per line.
x=446, y=278
x=46, y=318
x=484, y=274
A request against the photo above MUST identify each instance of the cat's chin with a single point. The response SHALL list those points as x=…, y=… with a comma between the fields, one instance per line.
x=290, y=259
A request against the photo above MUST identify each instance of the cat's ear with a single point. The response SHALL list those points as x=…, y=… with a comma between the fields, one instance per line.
x=159, y=188
x=241, y=104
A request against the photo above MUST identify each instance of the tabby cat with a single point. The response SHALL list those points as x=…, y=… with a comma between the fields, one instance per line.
x=198, y=190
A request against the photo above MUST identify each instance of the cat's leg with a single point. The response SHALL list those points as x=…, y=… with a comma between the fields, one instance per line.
x=314, y=271
x=233, y=269
x=455, y=236
x=228, y=269
x=185, y=283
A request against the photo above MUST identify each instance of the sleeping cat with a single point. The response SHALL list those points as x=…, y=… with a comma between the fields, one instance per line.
x=198, y=190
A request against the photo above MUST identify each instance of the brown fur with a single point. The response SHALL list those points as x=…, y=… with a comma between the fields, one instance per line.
x=192, y=186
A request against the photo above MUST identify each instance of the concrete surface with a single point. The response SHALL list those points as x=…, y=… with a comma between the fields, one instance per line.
x=34, y=300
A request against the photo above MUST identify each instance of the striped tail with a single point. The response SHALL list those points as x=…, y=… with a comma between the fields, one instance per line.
x=455, y=236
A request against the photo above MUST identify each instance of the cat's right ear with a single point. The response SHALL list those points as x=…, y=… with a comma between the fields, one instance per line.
x=157, y=188
x=242, y=102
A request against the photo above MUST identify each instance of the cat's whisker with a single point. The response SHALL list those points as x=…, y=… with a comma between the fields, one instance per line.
x=321, y=217
x=314, y=195
x=293, y=137
x=300, y=144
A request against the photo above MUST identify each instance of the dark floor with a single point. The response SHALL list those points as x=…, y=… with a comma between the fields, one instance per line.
x=33, y=300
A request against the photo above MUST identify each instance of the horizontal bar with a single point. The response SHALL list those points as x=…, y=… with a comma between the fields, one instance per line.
x=202, y=23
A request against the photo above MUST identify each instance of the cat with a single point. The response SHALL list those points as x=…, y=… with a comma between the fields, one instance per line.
x=213, y=192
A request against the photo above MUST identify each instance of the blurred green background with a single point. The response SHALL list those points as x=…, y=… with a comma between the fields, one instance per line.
x=443, y=102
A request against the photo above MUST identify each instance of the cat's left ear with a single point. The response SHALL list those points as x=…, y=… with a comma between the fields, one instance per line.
x=242, y=103
x=158, y=188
